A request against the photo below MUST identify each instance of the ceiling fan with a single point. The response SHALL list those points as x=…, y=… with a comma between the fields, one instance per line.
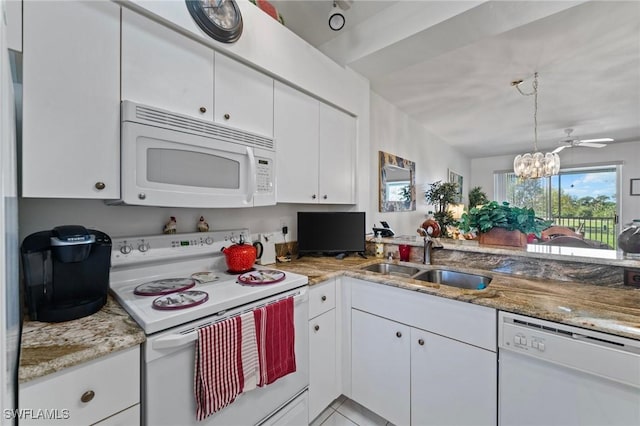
x=571, y=142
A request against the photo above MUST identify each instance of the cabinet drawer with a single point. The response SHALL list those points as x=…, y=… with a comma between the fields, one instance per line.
x=322, y=297
x=114, y=381
x=461, y=321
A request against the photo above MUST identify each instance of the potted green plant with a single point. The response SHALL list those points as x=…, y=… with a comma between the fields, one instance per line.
x=502, y=224
x=477, y=197
x=440, y=195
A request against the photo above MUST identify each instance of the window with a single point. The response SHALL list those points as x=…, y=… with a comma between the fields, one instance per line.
x=585, y=199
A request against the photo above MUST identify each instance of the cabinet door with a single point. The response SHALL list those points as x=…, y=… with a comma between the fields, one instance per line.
x=323, y=380
x=243, y=97
x=165, y=69
x=380, y=369
x=88, y=392
x=452, y=383
x=296, y=121
x=337, y=156
x=71, y=104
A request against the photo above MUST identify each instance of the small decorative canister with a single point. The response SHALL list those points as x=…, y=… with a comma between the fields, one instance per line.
x=629, y=239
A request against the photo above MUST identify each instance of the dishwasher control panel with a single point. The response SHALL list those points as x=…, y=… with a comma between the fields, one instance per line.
x=570, y=346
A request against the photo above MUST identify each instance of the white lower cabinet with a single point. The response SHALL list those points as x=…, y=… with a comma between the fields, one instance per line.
x=415, y=361
x=452, y=383
x=105, y=390
x=323, y=349
x=380, y=369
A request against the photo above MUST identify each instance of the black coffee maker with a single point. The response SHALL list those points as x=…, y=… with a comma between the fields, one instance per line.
x=66, y=272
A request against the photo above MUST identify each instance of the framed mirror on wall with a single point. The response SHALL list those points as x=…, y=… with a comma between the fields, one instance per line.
x=397, y=183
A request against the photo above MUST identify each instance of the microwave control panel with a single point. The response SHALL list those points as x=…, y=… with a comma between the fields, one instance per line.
x=264, y=175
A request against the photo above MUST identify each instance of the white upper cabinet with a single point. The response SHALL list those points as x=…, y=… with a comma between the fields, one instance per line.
x=71, y=100
x=243, y=97
x=296, y=127
x=168, y=70
x=337, y=156
x=315, y=146
x=165, y=69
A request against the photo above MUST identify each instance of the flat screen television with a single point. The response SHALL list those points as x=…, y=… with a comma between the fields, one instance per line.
x=331, y=233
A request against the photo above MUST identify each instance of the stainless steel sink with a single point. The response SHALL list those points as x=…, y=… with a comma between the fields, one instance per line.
x=454, y=279
x=392, y=269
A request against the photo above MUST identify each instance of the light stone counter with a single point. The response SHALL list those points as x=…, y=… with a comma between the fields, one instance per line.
x=50, y=347
x=609, y=307
x=532, y=251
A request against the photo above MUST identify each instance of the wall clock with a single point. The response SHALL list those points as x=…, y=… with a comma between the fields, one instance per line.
x=220, y=19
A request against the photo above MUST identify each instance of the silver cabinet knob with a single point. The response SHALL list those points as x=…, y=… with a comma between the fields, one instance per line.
x=323, y=298
x=126, y=249
x=142, y=195
x=100, y=186
x=203, y=109
x=87, y=396
x=398, y=334
x=324, y=196
x=316, y=327
x=313, y=196
x=421, y=342
x=143, y=247
x=227, y=116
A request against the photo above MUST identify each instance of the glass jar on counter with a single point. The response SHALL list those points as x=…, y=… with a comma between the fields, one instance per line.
x=629, y=239
x=379, y=245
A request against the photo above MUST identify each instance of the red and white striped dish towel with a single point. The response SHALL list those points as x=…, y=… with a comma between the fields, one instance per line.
x=226, y=363
x=275, y=331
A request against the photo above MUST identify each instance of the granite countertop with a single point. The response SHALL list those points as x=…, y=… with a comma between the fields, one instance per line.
x=533, y=251
x=50, y=347
x=613, y=310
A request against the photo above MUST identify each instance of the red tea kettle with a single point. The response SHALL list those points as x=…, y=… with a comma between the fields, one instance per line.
x=241, y=257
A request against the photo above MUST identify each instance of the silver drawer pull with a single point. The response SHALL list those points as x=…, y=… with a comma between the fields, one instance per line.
x=323, y=298
x=421, y=342
x=316, y=328
x=87, y=396
x=398, y=334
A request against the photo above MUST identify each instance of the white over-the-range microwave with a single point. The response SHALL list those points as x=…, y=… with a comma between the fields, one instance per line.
x=173, y=160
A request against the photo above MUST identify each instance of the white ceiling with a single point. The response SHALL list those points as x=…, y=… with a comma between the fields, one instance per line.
x=449, y=65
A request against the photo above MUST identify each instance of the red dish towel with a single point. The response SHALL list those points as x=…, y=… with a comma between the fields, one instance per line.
x=219, y=377
x=275, y=333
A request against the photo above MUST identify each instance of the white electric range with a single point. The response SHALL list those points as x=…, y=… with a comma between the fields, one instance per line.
x=214, y=295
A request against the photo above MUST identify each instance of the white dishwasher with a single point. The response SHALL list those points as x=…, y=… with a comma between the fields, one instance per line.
x=555, y=374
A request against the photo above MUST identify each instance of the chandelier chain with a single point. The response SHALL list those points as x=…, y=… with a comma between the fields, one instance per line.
x=535, y=107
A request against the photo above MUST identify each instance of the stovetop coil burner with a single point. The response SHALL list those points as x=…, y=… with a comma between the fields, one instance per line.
x=180, y=300
x=164, y=286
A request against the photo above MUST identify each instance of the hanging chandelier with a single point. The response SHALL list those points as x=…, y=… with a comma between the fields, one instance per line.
x=535, y=165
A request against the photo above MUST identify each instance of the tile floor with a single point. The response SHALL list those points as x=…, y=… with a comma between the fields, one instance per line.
x=345, y=412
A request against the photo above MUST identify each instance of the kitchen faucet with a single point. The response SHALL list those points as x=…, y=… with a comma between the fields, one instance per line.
x=428, y=244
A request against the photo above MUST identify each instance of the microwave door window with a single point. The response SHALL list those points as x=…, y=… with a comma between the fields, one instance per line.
x=205, y=170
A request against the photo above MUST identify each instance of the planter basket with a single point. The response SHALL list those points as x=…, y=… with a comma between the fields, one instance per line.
x=503, y=237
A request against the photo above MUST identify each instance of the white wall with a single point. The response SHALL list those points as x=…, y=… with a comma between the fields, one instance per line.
x=394, y=132
x=628, y=153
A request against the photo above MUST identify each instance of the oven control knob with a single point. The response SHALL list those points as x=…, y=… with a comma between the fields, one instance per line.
x=208, y=241
x=143, y=247
x=126, y=249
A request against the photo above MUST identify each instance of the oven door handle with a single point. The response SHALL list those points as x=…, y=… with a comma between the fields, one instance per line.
x=252, y=175
x=175, y=340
